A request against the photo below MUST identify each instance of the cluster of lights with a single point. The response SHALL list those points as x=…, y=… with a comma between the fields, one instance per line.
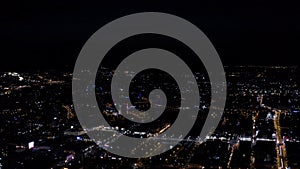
x=14, y=74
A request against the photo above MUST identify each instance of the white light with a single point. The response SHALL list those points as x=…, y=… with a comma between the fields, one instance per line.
x=30, y=145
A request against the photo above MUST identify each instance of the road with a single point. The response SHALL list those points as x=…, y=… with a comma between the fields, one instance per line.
x=280, y=146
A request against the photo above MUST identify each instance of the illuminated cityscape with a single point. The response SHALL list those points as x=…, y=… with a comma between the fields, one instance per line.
x=259, y=127
x=61, y=60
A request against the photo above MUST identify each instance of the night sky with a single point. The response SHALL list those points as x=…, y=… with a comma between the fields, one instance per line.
x=49, y=34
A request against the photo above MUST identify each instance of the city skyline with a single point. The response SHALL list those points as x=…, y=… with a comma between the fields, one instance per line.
x=233, y=102
x=259, y=127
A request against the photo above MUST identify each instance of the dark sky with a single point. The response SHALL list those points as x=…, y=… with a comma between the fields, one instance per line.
x=49, y=34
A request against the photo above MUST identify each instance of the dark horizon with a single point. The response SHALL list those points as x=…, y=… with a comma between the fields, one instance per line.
x=50, y=35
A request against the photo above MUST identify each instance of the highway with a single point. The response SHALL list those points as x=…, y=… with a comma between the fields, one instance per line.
x=280, y=145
